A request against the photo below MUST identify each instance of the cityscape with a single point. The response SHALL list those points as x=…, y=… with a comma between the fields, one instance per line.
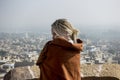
x=25, y=28
x=22, y=49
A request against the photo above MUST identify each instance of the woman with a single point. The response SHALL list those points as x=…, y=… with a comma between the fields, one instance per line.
x=60, y=58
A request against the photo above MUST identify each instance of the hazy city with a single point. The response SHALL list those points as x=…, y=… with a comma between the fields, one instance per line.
x=25, y=27
x=22, y=49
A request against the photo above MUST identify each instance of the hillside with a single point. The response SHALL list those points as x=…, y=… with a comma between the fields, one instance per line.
x=112, y=70
x=89, y=72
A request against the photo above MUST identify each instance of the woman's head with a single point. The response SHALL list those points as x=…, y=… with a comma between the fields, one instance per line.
x=63, y=28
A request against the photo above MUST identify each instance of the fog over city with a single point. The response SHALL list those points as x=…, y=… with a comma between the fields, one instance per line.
x=38, y=15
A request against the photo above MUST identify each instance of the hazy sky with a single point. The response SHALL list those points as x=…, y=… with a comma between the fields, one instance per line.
x=36, y=15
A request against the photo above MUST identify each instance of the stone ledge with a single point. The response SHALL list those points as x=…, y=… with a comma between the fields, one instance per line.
x=104, y=72
x=92, y=78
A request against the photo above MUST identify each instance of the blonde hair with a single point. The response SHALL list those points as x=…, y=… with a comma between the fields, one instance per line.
x=63, y=28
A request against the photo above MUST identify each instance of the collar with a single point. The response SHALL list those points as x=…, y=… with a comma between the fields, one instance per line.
x=60, y=41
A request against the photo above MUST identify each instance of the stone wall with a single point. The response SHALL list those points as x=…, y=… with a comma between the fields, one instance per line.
x=89, y=72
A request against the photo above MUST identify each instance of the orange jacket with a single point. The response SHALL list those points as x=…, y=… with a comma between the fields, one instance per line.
x=60, y=60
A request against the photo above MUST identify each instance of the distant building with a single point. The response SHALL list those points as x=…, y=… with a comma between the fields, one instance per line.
x=24, y=63
x=7, y=67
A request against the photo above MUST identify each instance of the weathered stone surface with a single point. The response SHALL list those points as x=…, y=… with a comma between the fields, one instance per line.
x=112, y=70
x=89, y=72
x=22, y=73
